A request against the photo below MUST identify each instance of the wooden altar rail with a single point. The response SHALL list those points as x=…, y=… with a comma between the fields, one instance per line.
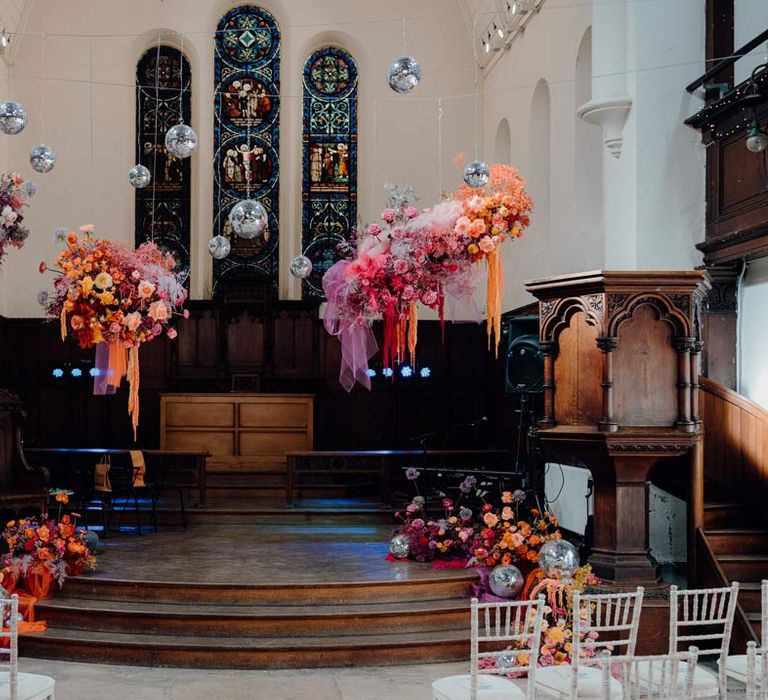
x=381, y=463
x=43, y=456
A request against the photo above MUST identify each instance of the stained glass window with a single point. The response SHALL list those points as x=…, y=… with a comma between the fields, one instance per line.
x=246, y=141
x=329, y=168
x=163, y=207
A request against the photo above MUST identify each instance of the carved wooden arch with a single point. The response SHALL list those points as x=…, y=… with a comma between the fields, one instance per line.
x=669, y=311
x=557, y=318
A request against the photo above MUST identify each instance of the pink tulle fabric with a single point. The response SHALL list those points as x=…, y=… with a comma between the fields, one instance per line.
x=358, y=344
x=101, y=385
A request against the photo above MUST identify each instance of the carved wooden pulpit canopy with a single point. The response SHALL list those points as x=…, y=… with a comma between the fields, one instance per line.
x=621, y=366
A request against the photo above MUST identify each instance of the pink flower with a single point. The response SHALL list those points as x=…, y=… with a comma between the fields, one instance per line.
x=87, y=229
x=185, y=314
x=135, y=274
x=158, y=311
x=408, y=292
x=374, y=229
x=477, y=228
x=411, y=212
x=447, y=503
x=17, y=179
x=401, y=267
x=430, y=297
x=486, y=244
x=172, y=333
x=418, y=524
x=42, y=267
x=388, y=215
x=412, y=508
x=475, y=203
x=507, y=514
x=146, y=289
x=506, y=497
x=490, y=519
x=114, y=328
x=462, y=226
x=487, y=507
x=132, y=321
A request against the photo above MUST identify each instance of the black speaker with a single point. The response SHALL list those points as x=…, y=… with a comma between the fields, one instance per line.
x=525, y=365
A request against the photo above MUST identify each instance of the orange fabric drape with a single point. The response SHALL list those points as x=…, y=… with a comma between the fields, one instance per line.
x=495, y=289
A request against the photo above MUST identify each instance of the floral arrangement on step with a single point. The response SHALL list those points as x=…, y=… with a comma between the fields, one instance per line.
x=414, y=257
x=114, y=298
x=14, y=193
x=51, y=550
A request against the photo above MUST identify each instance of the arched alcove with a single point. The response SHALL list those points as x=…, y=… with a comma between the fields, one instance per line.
x=588, y=150
x=502, y=149
x=539, y=160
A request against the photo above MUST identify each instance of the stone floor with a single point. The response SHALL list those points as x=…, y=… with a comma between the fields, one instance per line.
x=75, y=681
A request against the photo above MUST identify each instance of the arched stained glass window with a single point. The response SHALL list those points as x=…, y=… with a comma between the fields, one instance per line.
x=163, y=207
x=246, y=141
x=329, y=168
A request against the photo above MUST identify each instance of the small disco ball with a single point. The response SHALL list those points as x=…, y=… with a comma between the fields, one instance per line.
x=219, y=247
x=476, y=173
x=404, y=74
x=301, y=267
x=13, y=118
x=506, y=581
x=91, y=540
x=181, y=141
x=248, y=219
x=42, y=158
x=399, y=547
x=558, y=559
x=139, y=176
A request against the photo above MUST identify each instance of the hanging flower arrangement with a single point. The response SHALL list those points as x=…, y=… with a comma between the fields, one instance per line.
x=423, y=257
x=114, y=298
x=14, y=193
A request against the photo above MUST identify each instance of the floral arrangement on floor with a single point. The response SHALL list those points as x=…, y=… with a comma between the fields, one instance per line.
x=114, y=298
x=414, y=257
x=44, y=552
x=14, y=192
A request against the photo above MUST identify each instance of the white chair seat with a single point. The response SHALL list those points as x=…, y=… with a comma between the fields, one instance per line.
x=31, y=686
x=736, y=667
x=556, y=680
x=488, y=688
x=705, y=683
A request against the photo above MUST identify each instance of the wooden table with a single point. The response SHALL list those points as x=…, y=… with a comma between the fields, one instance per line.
x=379, y=463
x=94, y=453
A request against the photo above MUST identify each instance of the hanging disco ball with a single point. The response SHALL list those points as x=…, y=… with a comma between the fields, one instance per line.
x=301, y=267
x=476, y=173
x=219, y=247
x=404, y=74
x=91, y=540
x=399, y=547
x=139, y=176
x=13, y=118
x=558, y=559
x=181, y=141
x=42, y=158
x=506, y=581
x=248, y=219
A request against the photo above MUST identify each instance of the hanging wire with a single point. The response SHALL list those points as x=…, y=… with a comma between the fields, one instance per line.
x=440, y=147
x=92, y=102
x=42, y=88
x=405, y=36
x=154, y=140
x=181, y=81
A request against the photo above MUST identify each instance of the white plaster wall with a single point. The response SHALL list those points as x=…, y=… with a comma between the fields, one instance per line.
x=750, y=17
x=398, y=133
x=667, y=526
x=751, y=364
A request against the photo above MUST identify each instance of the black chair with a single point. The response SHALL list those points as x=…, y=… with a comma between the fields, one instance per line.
x=123, y=477
x=159, y=474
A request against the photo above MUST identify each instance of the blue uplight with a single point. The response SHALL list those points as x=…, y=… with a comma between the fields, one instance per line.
x=77, y=372
x=371, y=372
x=406, y=371
x=94, y=371
x=58, y=373
x=425, y=372
x=387, y=372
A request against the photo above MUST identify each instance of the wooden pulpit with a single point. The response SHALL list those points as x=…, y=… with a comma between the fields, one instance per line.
x=621, y=366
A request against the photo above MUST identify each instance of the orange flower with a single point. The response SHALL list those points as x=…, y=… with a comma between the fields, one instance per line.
x=62, y=498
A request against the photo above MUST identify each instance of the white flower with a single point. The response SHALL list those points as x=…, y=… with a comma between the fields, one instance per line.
x=8, y=216
x=60, y=234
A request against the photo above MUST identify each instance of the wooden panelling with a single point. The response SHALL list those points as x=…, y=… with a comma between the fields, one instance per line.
x=736, y=441
x=199, y=415
x=275, y=414
x=578, y=367
x=645, y=371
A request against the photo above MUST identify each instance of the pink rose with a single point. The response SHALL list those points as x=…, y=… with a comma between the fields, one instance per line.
x=411, y=212
x=408, y=292
x=388, y=215
x=186, y=313
x=17, y=179
x=490, y=519
x=507, y=514
x=477, y=228
x=401, y=267
x=172, y=333
x=486, y=244
x=132, y=321
x=430, y=297
x=146, y=289
x=135, y=274
x=418, y=524
x=462, y=225
x=374, y=229
x=158, y=311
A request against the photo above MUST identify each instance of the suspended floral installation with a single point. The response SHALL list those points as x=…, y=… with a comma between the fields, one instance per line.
x=14, y=193
x=422, y=257
x=114, y=298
